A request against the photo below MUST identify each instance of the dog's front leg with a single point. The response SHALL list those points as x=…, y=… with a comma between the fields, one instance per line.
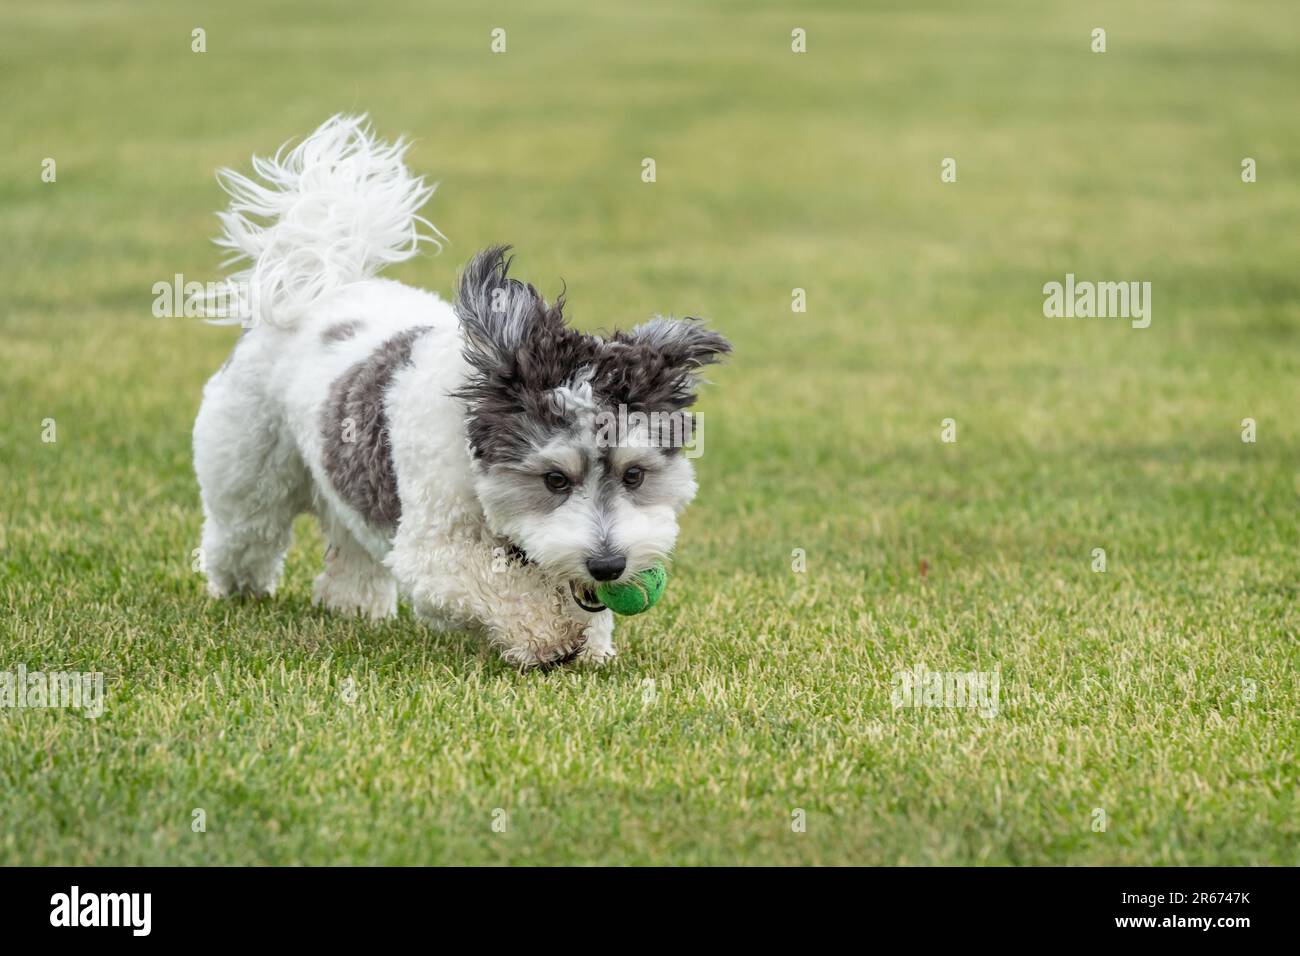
x=531, y=619
x=598, y=648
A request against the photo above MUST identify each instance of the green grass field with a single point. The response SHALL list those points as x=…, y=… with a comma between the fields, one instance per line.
x=1162, y=692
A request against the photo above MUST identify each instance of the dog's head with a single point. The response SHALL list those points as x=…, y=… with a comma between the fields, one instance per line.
x=579, y=441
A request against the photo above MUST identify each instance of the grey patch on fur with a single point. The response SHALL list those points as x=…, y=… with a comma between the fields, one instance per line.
x=340, y=331
x=524, y=490
x=519, y=350
x=361, y=470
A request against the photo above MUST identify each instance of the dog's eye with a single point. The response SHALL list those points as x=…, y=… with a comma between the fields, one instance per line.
x=556, y=481
x=633, y=477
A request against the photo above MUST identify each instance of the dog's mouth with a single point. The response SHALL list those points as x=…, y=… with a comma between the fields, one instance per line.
x=584, y=595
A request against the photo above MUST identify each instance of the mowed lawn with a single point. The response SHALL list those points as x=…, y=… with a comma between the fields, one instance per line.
x=1161, y=692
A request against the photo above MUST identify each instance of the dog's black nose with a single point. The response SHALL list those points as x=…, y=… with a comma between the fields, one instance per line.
x=606, y=567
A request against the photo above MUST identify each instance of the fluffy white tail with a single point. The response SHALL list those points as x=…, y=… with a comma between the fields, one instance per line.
x=335, y=209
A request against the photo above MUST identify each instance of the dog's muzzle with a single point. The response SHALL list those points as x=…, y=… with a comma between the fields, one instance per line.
x=584, y=595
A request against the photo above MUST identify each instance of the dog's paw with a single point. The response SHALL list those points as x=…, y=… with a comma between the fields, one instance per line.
x=595, y=655
x=554, y=634
x=375, y=601
x=547, y=658
x=222, y=590
x=218, y=589
x=441, y=620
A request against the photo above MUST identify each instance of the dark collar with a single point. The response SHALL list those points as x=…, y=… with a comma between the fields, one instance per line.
x=517, y=553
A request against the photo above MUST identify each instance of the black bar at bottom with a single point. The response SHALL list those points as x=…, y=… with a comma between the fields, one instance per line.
x=1215, y=907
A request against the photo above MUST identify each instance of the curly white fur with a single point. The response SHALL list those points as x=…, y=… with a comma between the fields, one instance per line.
x=338, y=208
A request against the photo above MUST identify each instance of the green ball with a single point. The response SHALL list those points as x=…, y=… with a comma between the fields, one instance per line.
x=639, y=594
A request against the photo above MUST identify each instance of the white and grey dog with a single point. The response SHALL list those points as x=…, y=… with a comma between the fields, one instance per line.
x=456, y=453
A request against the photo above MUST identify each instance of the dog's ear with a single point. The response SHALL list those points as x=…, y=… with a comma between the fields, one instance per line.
x=518, y=349
x=673, y=350
x=684, y=343
x=500, y=315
